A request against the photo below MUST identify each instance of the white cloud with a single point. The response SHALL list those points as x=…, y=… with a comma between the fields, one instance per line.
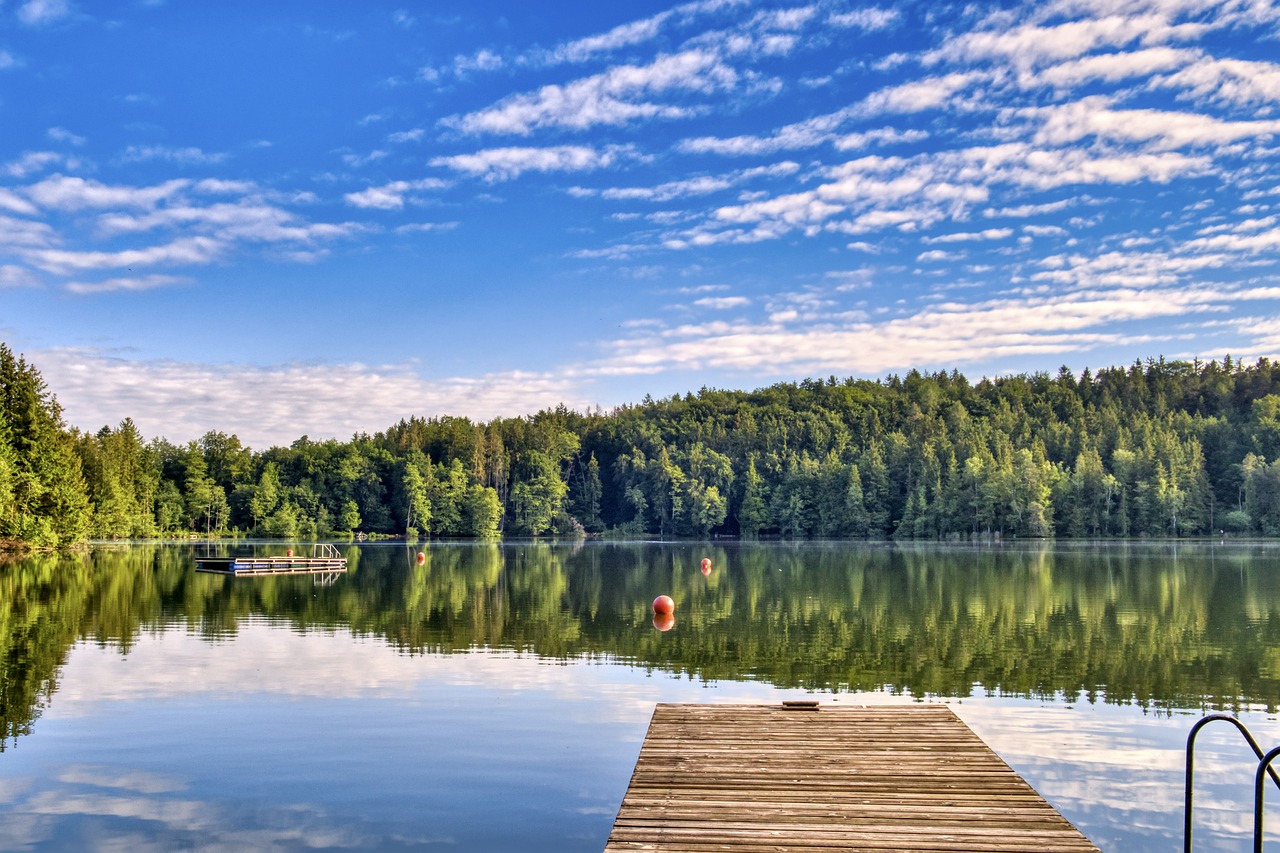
x=1231, y=81
x=425, y=227
x=185, y=156
x=869, y=19
x=391, y=196
x=482, y=60
x=502, y=164
x=631, y=33
x=15, y=203
x=947, y=334
x=387, y=197
x=1127, y=270
x=1240, y=242
x=695, y=186
x=1161, y=129
x=1031, y=44
x=970, y=236
x=401, y=136
x=132, y=283
x=8, y=60
x=721, y=303
x=623, y=35
x=268, y=405
x=355, y=161
x=12, y=275
x=935, y=255
x=60, y=134
x=183, y=251
x=31, y=162
x=203, y=233
x=1022, y=211
x=1112, y=67
x=804, y=134
x=25, y=233
x=791, y=19
x=68, y=193
x=919, y=95
x=216, y=186
x=41, y=12
x=874, y=193
x=880, y=136
x=609, y=98
x=245, y=221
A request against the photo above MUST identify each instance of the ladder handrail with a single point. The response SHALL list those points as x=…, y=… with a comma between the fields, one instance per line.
x=1264, y=764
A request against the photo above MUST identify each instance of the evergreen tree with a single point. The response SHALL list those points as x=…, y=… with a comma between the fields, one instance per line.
x=48, y=502
x=752, y=511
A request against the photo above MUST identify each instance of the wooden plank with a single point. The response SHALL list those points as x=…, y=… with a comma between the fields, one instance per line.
x=750, y=778
x=253, y=566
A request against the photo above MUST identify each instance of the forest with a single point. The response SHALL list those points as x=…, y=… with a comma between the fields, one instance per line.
x=1160, y=448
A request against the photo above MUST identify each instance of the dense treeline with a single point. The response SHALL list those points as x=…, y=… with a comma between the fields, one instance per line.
x=1161, y=448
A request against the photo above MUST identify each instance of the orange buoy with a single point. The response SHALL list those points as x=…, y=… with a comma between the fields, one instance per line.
x=422, y=558
x=664, y=604
x=289, y=553
x=664, y=621
x=706, y=565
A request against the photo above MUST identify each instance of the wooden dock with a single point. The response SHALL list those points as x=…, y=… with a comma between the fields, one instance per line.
x=270, y=565
x=753, y=778
x=324, y=560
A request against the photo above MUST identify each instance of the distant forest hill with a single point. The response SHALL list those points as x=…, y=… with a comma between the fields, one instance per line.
x=1160, y=448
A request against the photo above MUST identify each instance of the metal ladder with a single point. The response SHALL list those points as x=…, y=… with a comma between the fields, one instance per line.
x=1264, y=768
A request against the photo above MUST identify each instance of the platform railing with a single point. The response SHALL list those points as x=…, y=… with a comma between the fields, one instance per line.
x=1264, y=768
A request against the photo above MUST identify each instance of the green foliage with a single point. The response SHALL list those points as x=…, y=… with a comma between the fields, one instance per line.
x=481, y=512
x=44, y=499
x=1159, y=448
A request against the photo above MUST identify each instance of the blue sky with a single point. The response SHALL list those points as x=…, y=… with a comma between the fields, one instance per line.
x=318, y=218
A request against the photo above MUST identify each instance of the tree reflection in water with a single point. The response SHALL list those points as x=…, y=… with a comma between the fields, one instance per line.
x=1167, y=627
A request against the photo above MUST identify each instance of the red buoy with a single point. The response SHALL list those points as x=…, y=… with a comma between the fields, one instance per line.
x=664, y=621
x=706, y=565
x=422, y=558
x=289, y=553
x=664, y=604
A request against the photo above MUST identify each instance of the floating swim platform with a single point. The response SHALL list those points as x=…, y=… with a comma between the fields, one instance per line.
x=324, y=560
x=809, y=777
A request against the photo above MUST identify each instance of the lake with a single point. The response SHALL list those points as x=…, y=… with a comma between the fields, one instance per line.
x=494, y=698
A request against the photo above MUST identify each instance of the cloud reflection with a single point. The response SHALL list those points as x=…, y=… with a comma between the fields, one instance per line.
x=1114, y=771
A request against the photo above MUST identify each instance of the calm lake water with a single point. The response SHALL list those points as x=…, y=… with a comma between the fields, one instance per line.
x=495, y=698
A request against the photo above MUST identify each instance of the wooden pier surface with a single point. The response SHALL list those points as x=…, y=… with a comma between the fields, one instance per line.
x=248, y=566
x=753, y=778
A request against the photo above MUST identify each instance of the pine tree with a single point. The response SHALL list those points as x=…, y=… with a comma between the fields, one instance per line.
x=48, y=499
x=752, y=512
